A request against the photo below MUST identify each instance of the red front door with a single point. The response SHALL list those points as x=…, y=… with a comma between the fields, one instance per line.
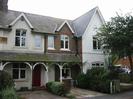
x=36, y=76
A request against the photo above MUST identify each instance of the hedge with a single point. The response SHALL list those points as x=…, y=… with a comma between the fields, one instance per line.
x=8, y=93
x=56, y=88
x=5, y=80
x=95, y=79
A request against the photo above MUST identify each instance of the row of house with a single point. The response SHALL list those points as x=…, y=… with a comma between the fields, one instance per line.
x=36, y=49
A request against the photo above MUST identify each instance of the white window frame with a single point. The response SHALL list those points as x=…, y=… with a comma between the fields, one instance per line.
x=51, y=39
x=98, y=46
x=63, y=38
x=20, y=37
x=38, y=41
x=19, y=72
x=65, y=68
x=94, y=64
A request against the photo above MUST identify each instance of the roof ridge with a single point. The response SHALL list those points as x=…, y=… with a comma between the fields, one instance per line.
x=38, y=15
x=87, y=12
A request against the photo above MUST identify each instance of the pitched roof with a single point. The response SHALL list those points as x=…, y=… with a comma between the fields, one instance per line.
x=40, y=23
x=46, y=24
x=80, y=24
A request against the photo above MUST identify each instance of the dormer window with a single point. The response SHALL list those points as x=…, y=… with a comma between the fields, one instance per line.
x=64, y=42
x=20, y=38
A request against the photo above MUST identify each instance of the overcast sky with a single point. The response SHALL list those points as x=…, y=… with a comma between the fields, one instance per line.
x=71, y=9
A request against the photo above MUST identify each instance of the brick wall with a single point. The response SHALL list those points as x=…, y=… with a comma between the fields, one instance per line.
x=72, y=42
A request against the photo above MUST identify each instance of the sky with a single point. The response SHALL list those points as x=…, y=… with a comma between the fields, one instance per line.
x=71, y=9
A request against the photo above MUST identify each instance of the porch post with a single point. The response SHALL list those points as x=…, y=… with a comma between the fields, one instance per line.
x=1, y=68
x=46, y=76
x=60, y=73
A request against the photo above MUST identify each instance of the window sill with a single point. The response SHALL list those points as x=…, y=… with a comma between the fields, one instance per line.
x=38, y=48
x=20, y=47
x=63, y=78
x=51, y=48
x=64, y=49
x=20, y=80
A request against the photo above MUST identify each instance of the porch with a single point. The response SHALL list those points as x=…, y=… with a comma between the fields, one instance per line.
x=29, y=73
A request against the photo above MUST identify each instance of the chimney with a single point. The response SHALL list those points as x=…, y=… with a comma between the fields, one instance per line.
x=4, y=5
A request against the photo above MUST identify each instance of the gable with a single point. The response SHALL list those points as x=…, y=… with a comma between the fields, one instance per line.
x=65, y=23
x=65, y=30
x=21, y=17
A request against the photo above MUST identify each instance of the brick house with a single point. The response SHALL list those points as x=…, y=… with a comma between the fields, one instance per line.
x=36, y=49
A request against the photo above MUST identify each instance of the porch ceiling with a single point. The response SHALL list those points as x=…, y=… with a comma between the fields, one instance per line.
x=49, y=57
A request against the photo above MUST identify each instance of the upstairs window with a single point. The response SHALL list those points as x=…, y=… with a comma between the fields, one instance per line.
x=38, y=41
x=20, y=38
x=96, y=43
x=50, y=42
x=64, y=42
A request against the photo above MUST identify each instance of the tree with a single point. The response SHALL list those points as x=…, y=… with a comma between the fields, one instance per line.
x=117, y=36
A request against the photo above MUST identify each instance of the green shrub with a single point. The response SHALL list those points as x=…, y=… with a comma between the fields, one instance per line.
x=8, y=93
x=56, y=88
x=83, y=81
x=125, y=78
x=5, y=80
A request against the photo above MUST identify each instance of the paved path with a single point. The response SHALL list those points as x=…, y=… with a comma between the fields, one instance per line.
x=38, y=95
x=125, y=95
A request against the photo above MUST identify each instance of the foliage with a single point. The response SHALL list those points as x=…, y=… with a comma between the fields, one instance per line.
x=56, y=88
x=5, y=80
x=117, y=36
x=95, y=79
x=124, y=77
x=83, y=81
x=8, y=93
x=99, y=79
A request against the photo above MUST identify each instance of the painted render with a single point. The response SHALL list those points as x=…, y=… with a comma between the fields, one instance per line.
x=90, y=55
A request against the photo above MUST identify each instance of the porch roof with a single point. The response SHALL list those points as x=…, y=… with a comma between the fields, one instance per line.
x=49, y=57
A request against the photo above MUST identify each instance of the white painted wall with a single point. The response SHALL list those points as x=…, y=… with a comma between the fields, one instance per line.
x=21, y=83
x=89, y=54
x=30, y=41
x=51, y=73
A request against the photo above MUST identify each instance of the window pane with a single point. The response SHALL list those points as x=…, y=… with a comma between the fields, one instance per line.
x=66, y=44
x=17, y=32
x=38, y=41
x=50, y=41
x=15, y=73
x=22, y=74
x=99, y=45
x=22, y=66
x=62, y=37
x=97, y=64
x=94, y=43
x=17, y=41
x=62, y=44
x=23, y=41
x=23, y=33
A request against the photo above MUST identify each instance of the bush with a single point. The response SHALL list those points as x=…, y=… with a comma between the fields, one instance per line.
x=5, y=80
x=8, y=93
x=125, y=78
x=56, y=88
x=82, y=81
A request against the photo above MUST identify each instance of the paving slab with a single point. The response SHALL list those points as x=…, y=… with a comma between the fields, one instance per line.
x=82, y=93
x=38, y=95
